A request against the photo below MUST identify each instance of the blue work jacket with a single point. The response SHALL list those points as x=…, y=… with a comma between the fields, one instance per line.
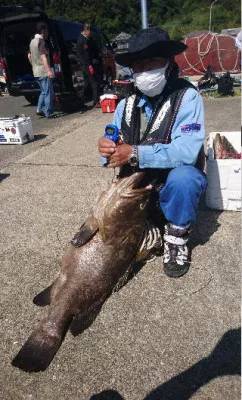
x=187, y=136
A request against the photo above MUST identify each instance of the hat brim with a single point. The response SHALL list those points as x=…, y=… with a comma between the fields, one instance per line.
x=165, y=49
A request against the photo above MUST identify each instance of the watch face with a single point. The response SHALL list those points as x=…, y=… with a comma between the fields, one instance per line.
x=133, y=161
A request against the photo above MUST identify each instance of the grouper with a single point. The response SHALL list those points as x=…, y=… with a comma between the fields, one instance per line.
x=95, y=261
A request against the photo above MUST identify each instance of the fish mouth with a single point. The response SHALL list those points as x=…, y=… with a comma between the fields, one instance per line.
x=135, y=183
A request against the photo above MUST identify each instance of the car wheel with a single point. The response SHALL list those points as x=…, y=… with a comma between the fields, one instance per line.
x=33, y=100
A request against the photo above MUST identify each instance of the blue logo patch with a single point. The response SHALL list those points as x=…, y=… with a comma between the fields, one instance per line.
x=190, y=128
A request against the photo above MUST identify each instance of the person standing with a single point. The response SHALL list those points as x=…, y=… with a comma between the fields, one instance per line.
x=39, y=58
x=85, y=55
x=162, y=127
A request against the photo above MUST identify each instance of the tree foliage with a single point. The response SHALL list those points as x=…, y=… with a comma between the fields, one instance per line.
x=179, y=17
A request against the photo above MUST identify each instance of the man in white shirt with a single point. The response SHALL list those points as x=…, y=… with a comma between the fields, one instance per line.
x=39, y=58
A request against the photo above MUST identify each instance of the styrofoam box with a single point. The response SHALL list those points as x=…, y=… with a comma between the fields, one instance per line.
x=224, y=176
x=16, y=130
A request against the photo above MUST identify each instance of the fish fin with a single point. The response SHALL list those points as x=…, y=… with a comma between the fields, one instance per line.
x=81, y=321
x=86, y=232
x=43, y=298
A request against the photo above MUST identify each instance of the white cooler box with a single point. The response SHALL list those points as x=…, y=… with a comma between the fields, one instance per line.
x=224, y=176
x=16, y=130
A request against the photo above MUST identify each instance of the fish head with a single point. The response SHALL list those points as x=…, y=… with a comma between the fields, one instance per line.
x=123, y=205
x=130, y=196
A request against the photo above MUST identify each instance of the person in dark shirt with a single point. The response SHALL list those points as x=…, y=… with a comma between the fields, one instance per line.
x=85, y=55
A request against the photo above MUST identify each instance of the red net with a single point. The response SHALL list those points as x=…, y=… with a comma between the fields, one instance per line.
x=216, y=50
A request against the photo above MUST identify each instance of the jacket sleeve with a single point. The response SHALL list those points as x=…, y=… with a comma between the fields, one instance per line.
x=187, y=136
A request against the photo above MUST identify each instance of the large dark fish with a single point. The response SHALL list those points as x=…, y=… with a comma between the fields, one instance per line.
x=223, y=149
x=97, y=258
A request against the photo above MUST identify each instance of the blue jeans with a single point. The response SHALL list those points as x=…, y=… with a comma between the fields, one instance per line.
x=46, y=95
x=179, y=198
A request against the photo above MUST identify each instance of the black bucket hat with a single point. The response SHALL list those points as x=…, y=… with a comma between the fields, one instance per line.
x=148, y=43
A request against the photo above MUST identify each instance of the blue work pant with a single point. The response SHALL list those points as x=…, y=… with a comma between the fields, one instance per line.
x=179, y=198
x=46, y=95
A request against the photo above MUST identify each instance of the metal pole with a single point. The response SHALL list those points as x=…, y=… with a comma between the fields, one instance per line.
x=210, y=16
x=143, y=4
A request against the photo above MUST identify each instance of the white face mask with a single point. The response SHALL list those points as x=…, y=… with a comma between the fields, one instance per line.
x=151, y=83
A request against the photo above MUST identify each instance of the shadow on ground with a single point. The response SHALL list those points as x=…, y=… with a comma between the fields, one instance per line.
x=205, y=226
x=39, y=137
x=69, y=109
x=3, y=176
x=223, y=360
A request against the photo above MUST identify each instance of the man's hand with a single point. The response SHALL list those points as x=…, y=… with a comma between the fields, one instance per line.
x=46, y=65
x=120, y=156
x=106, y=147
x=50, y=74
x=116, y=155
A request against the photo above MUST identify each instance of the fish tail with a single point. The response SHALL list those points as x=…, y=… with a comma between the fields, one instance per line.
x=40, y=348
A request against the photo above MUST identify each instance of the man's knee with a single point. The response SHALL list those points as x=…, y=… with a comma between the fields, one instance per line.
x=186, y=179
x=184, y=175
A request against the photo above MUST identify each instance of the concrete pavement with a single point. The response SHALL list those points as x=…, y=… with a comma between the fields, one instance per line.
x=157, y=338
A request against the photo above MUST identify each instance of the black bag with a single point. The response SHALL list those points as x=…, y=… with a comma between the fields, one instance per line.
x=208, y=80
x=225, y=85
x=123, y=88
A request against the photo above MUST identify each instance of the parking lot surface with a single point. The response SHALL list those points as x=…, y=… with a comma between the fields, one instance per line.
x=157, y=338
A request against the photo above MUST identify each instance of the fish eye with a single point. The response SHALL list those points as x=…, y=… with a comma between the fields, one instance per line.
x=142, y=206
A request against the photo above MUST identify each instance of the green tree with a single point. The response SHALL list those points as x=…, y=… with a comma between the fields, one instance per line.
x=179, y=17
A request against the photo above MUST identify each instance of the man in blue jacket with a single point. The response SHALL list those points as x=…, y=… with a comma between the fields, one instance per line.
x=162, y=128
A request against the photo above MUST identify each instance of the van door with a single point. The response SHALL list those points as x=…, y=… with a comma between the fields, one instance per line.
x=67, y=33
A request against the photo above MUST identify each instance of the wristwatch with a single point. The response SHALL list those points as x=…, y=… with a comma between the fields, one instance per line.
x=134, y=157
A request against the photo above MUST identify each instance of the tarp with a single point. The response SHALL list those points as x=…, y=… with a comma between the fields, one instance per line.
x=216, y=50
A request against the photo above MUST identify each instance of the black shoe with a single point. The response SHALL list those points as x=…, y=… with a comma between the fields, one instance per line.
x=40, y=113
x=175, y=258
x=50, y=116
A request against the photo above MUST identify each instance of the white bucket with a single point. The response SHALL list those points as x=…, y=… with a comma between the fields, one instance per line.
x=224, y=176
